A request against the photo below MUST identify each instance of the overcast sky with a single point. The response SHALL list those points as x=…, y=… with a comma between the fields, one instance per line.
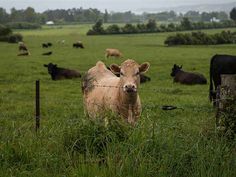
x=110, y=5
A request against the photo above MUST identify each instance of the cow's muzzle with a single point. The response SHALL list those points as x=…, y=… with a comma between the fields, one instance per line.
x=130, y=88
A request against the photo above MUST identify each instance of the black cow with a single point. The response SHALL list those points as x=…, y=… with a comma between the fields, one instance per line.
x=47, y=53
x=61, y=73
x=44, y=45
x=143, y=78
x=220, y=64
x=187, y=77
x=49, y=44
x=78, y=45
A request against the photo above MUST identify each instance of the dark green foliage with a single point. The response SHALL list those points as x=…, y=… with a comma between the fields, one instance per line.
x=113, y=29
x=97, y=28
x=129, y=28
x=233, y=14
x=151, y=25
x=15, y=38
x=23, y=25
x=4, y=31
x=201, y=38
x=7, y=36
x=186, y=24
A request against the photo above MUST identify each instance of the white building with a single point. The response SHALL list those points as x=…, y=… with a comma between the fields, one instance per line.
x=49, y=23
x=214, y=19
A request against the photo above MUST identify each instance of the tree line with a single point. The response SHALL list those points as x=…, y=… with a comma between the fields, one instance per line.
x=152, y=27
x=92, y=15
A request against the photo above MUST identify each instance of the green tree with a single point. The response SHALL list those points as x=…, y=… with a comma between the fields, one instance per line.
x=30, y=15
x=98, y=27
x=233, y=14
x=186, y=24
x=4, y=17
x=106, y=16
x=151, y=25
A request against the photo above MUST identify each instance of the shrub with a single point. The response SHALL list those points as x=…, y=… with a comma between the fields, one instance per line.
x=4, y=31
x=23, y=25
x=200, y=38
x=141, y=28
x=15, y=38
x=113, y=29
x=129, y=28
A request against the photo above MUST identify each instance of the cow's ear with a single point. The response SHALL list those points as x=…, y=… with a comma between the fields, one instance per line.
x=115, y=69
x=144, y=67
x=45, y=65
x=181, y=66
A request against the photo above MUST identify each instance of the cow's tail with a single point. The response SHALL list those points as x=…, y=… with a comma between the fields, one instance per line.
x=211, y=78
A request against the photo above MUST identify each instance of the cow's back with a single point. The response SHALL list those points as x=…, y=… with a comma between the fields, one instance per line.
x=100, y=87
x=224, y=64
x=190, y=78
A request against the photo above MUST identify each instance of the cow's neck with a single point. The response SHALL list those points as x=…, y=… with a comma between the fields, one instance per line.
x=127, y=104
x=127, y=98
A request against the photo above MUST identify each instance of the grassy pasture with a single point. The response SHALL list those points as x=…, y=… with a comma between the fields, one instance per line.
x=181, y=142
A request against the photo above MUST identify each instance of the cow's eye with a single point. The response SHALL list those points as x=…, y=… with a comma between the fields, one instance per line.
x=137, y=73
x=122, y=74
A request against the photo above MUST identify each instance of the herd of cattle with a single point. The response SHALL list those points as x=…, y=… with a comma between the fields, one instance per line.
x=115, y=88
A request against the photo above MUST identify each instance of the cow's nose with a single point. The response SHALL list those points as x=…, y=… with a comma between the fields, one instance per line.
x=130, y=88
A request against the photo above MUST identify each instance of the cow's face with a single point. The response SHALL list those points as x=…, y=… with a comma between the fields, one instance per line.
x=130, y=74
x=51, y=67
x=175, y=69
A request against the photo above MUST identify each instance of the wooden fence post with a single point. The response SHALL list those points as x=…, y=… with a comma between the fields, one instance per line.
x=226, y=104
x=37, y=106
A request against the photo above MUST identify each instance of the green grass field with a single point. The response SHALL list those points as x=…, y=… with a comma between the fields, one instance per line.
x=181, y=142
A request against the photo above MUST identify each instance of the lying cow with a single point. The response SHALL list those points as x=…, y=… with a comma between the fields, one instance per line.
x=61, y=73
x=103, y=90
x=143, y=78
x=47, y=53
x=187, y=77
x=22, y=47
x=113, y=53
x=78, y=44
x=220, y=64
x=23, y=54
x=44, y=45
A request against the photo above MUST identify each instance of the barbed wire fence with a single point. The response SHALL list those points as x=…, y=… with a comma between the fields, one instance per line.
x=144, y=107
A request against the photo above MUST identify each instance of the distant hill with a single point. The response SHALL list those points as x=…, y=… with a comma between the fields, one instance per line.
x=227, y=7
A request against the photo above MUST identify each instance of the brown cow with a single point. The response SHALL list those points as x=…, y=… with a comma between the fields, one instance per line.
x=103, y=91
x=113, y=53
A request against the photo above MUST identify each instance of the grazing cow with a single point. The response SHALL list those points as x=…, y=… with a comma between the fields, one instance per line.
x=187, y=77
x=61, y=73
x=44, y=45
x=103, y=91
x=143, y=78
x=78, y=44
x=49, y=44
x=220, y=64
x=47, y=53
x=113, y=53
